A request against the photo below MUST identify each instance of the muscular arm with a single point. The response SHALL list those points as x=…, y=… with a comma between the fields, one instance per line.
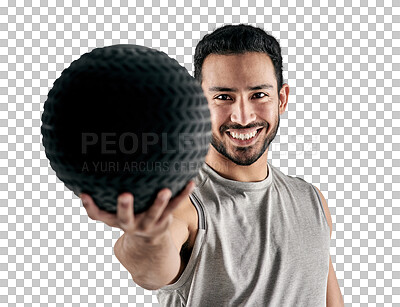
x=150, y=246
x=153, y=266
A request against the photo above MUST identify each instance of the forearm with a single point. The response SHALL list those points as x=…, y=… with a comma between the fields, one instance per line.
x=151, y=264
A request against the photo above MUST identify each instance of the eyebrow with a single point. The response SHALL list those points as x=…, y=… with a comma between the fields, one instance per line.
x=250, y=88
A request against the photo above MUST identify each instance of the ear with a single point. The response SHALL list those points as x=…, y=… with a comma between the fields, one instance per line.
x=283, y=98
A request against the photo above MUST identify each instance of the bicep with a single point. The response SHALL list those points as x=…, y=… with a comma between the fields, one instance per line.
x=179, y=232
x=180, y=235
x=182, y=217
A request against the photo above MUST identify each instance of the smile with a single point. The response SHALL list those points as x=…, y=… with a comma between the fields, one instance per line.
x=244, y=137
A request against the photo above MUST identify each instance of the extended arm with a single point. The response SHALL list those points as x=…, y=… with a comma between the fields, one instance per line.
x=150, y=246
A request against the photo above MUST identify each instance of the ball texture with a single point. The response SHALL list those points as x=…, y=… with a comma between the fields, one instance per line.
x=125, y=118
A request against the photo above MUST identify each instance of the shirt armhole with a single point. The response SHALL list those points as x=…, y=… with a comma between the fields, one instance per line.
x=200, y=212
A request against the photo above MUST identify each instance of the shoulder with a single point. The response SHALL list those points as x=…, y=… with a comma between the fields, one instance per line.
x=302, y=185
x=326, y=209
x=281, y=179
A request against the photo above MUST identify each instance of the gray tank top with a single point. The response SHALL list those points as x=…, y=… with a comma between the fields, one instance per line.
x=262, y=243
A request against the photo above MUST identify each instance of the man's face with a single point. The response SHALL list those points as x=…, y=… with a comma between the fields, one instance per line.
x=242, y=95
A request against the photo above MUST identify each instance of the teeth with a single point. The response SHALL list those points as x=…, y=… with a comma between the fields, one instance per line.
x=243, y=136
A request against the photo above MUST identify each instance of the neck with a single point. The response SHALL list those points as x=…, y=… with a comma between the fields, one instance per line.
x=257, y=171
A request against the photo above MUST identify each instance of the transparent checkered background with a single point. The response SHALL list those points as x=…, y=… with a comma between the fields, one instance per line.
x=340, y=132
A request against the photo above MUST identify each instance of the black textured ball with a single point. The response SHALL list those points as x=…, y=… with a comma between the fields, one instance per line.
x=125, y=118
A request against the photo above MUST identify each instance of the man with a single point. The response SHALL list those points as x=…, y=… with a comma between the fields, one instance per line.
x=246, y=235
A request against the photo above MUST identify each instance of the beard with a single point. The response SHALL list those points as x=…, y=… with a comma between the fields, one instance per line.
x=247, y=155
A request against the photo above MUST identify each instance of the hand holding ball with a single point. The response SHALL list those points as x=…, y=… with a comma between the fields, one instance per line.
x=125, y=118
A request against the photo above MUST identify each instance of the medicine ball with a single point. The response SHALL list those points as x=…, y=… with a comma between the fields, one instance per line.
x=125, y=118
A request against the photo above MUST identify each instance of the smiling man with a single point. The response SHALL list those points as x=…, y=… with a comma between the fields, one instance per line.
x=247, y=234
x=267, y=234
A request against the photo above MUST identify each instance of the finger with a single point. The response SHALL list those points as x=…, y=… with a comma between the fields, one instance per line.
x=176, y=201
x=154, y=212
x=125, y=209
x=95, y=213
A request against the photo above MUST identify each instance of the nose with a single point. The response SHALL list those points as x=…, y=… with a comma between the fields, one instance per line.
x=243, y=112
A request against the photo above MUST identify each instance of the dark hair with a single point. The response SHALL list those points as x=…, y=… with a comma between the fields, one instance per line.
x=238, y=39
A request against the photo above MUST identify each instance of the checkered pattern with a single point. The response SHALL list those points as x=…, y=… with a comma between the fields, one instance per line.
x=340, y=132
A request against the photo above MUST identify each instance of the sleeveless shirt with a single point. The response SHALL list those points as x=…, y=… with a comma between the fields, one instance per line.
x=262, y=243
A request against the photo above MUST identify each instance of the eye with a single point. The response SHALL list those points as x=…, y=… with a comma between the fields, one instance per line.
x=259, y=95
x=223, y=97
